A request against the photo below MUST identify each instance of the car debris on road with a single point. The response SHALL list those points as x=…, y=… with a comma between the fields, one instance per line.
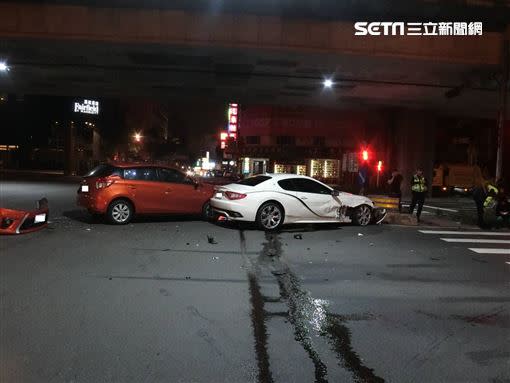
x=21, y=221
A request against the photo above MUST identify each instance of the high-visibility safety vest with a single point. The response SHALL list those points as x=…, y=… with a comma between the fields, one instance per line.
x=419, y=185
x=489, y=200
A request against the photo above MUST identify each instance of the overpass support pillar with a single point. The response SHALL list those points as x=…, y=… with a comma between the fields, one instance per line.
x=96, y=146
x=505, y=171
x=414, y=140
x=503, y=99
x=70, y=150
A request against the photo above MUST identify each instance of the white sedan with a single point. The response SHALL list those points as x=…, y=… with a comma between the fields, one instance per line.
x=272, y=200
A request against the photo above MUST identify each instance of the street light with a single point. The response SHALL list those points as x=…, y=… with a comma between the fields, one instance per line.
x=328, y=83
x=138, y=137
x=3, y=66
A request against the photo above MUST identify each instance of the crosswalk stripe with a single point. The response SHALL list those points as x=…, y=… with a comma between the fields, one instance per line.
x=475, y=240
x=446, y=232
x=490, y=251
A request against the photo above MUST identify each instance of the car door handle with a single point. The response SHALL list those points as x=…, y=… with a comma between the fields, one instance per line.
x=303, y=198
x=132, y=187
x=167, y=191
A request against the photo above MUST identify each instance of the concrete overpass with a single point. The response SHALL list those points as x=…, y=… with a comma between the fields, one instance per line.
x=166, y=53
x=257, y=54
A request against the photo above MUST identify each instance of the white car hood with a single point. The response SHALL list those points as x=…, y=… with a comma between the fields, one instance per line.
x=353, y=200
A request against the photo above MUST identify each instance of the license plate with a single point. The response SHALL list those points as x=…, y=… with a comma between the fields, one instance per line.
x=219, y=195
x=85, y=188
x=40, y=218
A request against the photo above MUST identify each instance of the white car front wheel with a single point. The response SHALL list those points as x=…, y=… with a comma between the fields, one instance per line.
x=362, y=215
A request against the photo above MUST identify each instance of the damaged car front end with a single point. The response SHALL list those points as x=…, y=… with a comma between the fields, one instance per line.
x=379, y=214
x=22, y=221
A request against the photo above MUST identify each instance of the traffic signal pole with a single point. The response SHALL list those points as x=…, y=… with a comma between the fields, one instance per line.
x=503, y=101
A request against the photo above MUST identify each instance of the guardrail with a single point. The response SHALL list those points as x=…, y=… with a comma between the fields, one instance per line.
x=388, y=203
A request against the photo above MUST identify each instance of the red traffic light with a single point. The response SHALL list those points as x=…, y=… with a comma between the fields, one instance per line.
x=365, y=155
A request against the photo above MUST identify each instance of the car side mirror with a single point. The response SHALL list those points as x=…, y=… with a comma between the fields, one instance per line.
x=335, y=193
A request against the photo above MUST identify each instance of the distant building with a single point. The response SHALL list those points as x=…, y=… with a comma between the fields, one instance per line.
x=327, y=144
x=48, y=133
x=320, y=143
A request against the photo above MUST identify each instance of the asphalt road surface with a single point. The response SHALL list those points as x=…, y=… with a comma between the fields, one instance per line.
x=180, y=300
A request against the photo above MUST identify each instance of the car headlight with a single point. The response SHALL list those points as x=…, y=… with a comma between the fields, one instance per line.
x=6, y=222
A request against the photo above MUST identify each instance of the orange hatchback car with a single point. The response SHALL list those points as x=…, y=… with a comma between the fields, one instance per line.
x=120, y=191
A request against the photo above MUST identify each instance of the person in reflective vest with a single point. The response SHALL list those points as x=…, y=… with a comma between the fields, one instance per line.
x=419, y=190
x=490, y=200
x=502, y=208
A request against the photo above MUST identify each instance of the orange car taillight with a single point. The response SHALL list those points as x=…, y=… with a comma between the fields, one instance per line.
x=234, y=195
x=102, y=183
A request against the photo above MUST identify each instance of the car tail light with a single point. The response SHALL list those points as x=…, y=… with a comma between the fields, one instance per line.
x=102, y=183
x=234, y=195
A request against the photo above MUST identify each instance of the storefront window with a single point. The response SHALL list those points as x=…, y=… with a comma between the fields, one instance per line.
x=324, y=168
x=290, y=169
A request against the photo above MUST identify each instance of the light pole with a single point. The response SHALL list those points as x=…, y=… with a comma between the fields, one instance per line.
x=502, y=105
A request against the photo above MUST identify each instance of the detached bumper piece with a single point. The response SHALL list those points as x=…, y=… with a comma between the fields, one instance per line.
x=379, y=215
x=225, y=215
x=21, y=222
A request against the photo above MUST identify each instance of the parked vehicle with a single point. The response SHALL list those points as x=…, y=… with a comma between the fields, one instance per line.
x=454, y=178
x=272, y=200
x=120, y=191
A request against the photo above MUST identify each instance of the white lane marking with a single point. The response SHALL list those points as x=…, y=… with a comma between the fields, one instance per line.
x=475, y=240
x=466, y=208
x=490, y=251
x=441, y=208
x=446, y=232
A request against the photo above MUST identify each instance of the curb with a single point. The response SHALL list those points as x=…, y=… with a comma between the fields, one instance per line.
x=403, y=219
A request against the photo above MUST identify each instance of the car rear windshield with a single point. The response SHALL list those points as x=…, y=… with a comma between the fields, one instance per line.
x=103, y=170
x=254, y=181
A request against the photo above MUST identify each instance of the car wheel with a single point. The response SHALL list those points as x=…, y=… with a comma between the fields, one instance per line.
x=207, y=212
x=270, y=216
x=120, y=212
x=362, y=215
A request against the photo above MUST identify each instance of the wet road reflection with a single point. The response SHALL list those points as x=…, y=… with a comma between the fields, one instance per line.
x=308, y=316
